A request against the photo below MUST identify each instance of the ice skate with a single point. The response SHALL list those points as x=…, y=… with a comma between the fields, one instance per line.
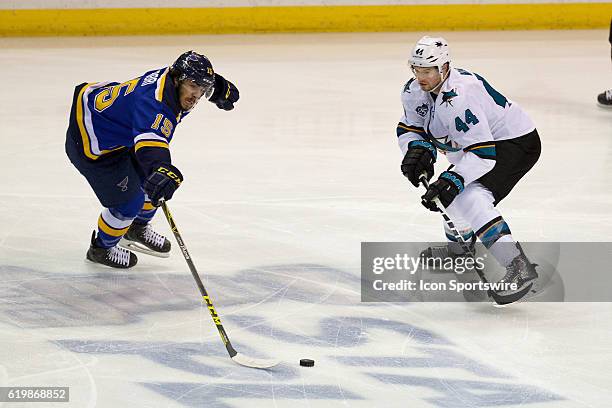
x=522, y=273
x=142, y=238
x=114, y=257
x=604, y=99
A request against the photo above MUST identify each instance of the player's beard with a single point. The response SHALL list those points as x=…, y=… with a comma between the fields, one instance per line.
x=192, y=102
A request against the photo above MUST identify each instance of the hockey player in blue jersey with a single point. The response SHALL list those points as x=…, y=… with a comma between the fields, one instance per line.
x=489, y=140
x=118, y=138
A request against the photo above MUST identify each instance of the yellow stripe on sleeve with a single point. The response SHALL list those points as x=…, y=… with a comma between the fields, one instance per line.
x=150, y=143
x=410, y=129
x=480, y=147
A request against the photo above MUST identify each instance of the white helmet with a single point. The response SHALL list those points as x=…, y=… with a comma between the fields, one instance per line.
x=430, y=52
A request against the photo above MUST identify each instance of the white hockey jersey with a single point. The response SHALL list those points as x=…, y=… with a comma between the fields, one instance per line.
x=463, y=122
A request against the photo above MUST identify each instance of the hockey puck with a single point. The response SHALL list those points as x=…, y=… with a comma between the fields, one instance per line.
x=306, y=362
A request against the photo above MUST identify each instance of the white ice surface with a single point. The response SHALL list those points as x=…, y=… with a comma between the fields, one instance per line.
x=278, y=195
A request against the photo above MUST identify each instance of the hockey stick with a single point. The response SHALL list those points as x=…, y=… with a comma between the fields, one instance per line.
x=499, y=299
x=237, y=357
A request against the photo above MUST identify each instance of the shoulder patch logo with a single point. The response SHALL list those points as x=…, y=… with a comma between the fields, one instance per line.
x=422, y=110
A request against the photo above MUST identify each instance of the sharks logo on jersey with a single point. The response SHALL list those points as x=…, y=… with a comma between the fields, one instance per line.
x=448, y=96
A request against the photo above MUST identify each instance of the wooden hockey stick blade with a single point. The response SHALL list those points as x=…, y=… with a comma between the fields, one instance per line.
x=254, y=362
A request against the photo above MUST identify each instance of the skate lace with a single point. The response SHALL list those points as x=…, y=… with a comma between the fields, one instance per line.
x=511, y=274
x=152, y=237
x=513, y=271
x=439, y=252
x=118, y=255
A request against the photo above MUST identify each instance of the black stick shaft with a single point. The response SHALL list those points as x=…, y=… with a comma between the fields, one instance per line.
x=464, y=245
x=498, y=298
x=196, y=276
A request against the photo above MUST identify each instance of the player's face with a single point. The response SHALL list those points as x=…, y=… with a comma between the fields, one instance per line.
x=189, y=94
x=428, y=77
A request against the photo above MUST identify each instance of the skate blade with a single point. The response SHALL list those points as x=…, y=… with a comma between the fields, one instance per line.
x=136, y=247
x=502, y=299
x=94, y=263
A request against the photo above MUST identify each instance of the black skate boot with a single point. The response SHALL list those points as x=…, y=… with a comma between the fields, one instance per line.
x=114, y=257
x=522, y=273
x=435, y=256
x=142, y=238
x=604, y=99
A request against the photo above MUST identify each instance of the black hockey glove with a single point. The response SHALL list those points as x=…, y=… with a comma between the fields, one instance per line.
x=225, y=95
x=446, y=188
x=162, y=183
x=419, y=159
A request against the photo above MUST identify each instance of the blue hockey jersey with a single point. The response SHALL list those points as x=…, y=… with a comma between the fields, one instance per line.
x=141, y=113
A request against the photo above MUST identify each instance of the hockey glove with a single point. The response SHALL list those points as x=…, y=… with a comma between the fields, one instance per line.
x=162, y=183
x=225, y=95
x=446, y=188
x=419, y=159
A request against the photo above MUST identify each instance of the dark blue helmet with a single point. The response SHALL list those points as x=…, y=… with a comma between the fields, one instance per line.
x=193, y=66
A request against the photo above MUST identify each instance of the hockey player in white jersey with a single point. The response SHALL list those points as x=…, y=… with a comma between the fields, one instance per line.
x=490, y=142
